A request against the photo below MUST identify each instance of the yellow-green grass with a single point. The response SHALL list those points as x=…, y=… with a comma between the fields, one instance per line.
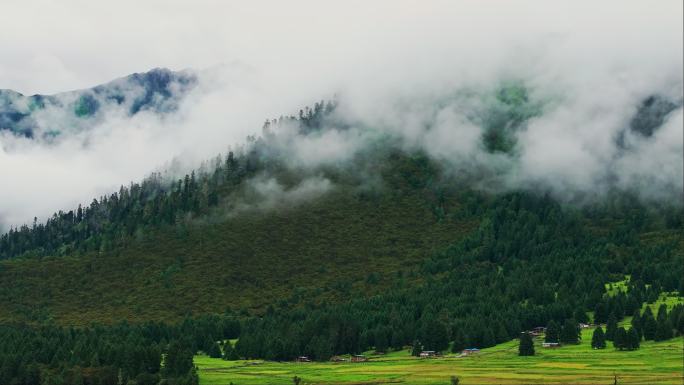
x=669, y=299
x=654, y=363
x=612, y=288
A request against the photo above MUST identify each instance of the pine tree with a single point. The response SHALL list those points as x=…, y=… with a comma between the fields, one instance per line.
x=435, y=335
x=600, y=313
x=526, y=347
x=570, y=333
x=580, y=315
x=611, y=327
x=598, y=339
x=637, y=325
x=381, y=342
x=229, y=353
x=214, y=351
x=662, y=313
x=620, y=338
x=459, y=342
x=663, y=330
x=633, y=339
x=488, y=339
x=650, y=326
x=552, y=332
x=416, y=348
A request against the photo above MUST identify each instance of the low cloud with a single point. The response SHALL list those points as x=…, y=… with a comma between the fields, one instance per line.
x=424, y=73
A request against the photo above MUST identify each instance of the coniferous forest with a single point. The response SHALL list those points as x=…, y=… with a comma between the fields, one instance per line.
x=506, y=263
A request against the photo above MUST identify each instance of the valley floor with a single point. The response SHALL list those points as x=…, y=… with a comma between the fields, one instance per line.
x=654, y=363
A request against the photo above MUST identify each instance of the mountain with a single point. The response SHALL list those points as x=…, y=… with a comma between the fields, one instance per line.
x=49, y=116
x=381, y=247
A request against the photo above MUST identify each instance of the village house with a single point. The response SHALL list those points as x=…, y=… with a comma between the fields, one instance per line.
x=470, y=351
x=359, y=358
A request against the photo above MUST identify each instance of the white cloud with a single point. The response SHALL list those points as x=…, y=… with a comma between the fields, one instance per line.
x=389, y=61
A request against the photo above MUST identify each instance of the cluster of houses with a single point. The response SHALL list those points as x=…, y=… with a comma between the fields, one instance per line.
x=433, y=354
x=535, y=332
x=540, y=330
x=352, y=358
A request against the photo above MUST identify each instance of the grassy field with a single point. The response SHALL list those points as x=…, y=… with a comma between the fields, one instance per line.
x=654, y=363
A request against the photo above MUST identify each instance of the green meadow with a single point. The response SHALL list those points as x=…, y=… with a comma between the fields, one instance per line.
x=654, y=363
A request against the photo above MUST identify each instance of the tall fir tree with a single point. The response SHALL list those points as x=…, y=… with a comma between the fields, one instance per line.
x=633, y=339
x=526, y=347
x=552, y=332
x=620, y=338
x=570, y=332
x=598, y=339
x=611, y=327
x=649, y=325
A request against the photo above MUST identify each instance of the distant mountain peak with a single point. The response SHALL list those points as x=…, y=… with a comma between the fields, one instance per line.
x=159, y=90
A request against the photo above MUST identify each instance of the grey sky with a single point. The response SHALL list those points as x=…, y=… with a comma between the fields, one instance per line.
x=267, y=58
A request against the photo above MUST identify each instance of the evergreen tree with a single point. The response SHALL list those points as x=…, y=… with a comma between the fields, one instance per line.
x=229, y=353
x=663, y=329
x=600, y=313
x=434, y=335
x=598, y=339
x=459, y=342
x=611, y=327
x=649, y=324
x=636, y=324
x=526, y=347
x=580, y=315
x=553, y=331
x=570, y=332
x=214, y=351
x=416, y=348
x=381, y=342
x=620, y=338
x=633, y=339
x=488, y=339
x=662, y=313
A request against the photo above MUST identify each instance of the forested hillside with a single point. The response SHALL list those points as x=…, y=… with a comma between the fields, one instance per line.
x=388, y=249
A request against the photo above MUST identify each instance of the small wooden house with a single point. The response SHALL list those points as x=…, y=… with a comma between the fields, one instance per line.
x=470, y=351
x=359, y=358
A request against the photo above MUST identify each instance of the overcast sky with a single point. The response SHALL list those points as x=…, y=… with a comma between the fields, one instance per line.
x=275, y=56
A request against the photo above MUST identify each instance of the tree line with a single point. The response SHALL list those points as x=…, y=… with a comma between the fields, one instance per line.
x=123, y=353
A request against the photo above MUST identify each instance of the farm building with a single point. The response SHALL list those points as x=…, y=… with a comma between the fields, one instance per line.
x=359, y=358
x=467, y=352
